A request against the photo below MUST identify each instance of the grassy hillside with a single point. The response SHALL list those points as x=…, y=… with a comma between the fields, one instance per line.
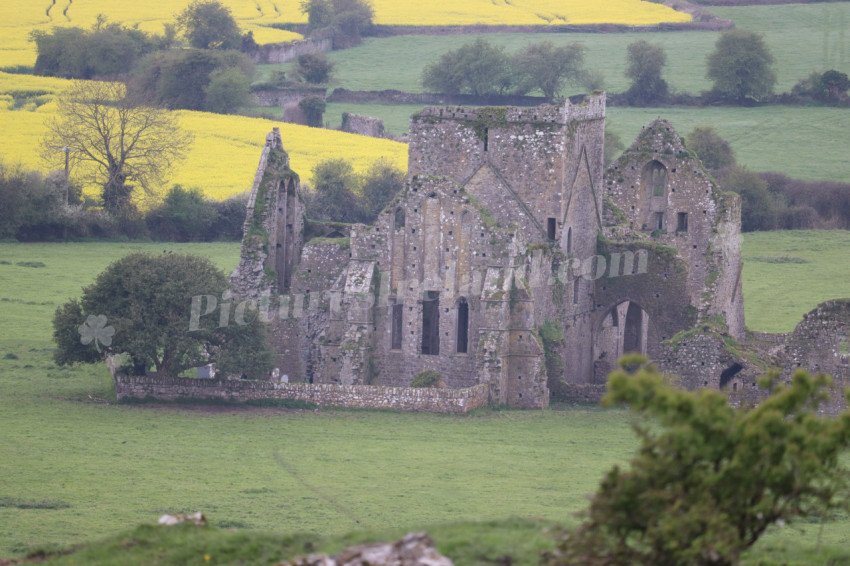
x=809, y=143
x=799, y=141
x=789, y=139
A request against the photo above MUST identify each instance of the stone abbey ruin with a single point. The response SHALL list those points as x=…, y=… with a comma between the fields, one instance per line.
x=512, y=264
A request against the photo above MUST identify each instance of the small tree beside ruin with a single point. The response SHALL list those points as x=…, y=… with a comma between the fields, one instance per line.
x=142, y=306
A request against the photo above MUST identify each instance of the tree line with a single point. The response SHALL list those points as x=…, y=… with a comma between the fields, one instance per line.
x=769, y=200
x=208, y=70
x=44, y=207
x=740, y=68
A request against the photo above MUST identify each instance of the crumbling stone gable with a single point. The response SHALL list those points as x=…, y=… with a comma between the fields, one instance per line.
x=274, y=226
x=666, y=196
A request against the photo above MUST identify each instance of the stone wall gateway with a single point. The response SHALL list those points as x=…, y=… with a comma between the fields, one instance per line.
x=451, y=401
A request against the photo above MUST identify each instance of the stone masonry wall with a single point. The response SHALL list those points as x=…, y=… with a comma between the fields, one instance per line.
x=452, y=401
x=282, y=96
x=283, y=52
x=362, y=125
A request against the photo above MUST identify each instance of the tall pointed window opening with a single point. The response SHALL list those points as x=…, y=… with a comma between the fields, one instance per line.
x=462, y=326
x=431, y=323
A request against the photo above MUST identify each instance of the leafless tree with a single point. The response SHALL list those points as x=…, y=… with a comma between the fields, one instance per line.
x=119, y=145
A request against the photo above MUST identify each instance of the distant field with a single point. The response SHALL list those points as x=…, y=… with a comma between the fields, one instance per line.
x=802, y=37
x=100, y=469
x=809, y=143
x=789, y=139
x=18, y=19
x=805, y=142
x=396, y=116
x=787, y=274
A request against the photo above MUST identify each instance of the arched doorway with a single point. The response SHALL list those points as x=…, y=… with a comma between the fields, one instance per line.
x=623, y=329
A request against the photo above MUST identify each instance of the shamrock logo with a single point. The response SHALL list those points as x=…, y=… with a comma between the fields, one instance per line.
x=95, y=330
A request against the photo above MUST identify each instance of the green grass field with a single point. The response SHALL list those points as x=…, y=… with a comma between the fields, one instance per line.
x=788, y=139
x=99, y=469
x=802, y=38
x=788, y=273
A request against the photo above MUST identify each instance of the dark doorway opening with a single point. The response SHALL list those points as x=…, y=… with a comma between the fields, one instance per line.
x=395, y=342
x=729, y=373
x=462, y=326
x=633, y=333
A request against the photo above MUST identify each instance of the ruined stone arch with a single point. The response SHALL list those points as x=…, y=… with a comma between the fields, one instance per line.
x=623, y=328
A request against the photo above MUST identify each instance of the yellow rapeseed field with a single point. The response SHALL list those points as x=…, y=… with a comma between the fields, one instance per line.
x=510, y=12
x=224, y=156
x=18, y=19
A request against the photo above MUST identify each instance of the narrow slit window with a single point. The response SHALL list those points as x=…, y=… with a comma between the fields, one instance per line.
x=576, y=290
x=550, y=229
x=486, y=138
x=462, y=326
x=395, y=342
x=431, y=323
x=682, y=222
x=659, y=221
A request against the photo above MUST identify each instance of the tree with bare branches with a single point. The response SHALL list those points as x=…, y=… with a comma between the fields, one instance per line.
x=119, y=145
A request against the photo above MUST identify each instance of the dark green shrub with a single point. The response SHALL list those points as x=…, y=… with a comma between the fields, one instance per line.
x=314, y=110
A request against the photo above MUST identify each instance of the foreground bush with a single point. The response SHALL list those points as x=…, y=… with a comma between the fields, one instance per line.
x=708, y=480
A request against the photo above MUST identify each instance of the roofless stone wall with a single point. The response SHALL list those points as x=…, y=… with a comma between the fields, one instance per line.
x=452, y=401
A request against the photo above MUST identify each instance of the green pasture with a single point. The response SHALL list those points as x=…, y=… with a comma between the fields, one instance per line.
x=788, y=273
x=76, y=467
x=802, y=142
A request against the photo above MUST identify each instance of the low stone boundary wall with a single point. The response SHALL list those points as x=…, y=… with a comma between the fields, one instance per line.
x=391, y=96
x=582, y=393
x=283, y=52
x=452, y=401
